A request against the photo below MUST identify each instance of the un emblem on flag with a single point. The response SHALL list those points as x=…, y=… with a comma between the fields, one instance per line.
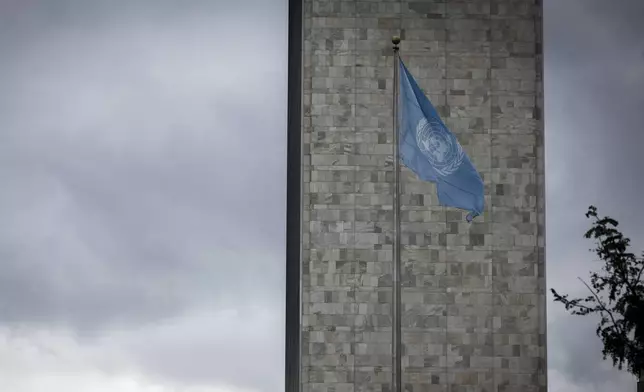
x=439, y=146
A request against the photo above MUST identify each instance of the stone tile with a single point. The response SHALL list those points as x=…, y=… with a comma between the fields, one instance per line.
x=473, y=294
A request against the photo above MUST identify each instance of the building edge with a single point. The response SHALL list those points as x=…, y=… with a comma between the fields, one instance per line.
x=293, y=198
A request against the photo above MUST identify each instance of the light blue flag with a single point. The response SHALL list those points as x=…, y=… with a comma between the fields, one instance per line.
x=431, y=151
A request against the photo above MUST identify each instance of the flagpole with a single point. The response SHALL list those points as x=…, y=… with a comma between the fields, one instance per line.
x=396, y=300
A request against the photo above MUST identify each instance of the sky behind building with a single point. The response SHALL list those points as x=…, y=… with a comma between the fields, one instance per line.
x=142, y=244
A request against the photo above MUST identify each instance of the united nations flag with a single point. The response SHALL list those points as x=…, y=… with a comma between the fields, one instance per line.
x=431, y=151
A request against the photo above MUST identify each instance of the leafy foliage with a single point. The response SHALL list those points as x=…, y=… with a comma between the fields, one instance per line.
x=616, y=295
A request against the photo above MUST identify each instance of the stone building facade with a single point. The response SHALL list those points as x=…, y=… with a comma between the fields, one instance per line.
x=473, y=297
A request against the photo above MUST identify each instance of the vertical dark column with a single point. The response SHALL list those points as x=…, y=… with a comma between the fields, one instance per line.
x=293, y=197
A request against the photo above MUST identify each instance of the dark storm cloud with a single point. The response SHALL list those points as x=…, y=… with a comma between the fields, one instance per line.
x=594, y=55
x=142, y=159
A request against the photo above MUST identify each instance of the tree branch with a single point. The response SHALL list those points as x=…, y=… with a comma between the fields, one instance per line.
x=639, y=275
x=601, y=304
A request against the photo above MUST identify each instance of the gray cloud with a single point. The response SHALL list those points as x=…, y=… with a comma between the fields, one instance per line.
x=181, y=355
x=576, y=352
x=126, y=148
x=594, y=55
x=183, y=351
x=142, y=155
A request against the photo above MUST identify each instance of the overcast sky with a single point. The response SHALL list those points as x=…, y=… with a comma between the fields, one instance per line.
x=594, y=93
x=141, y=248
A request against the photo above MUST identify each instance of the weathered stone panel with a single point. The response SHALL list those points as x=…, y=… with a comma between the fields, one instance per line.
x=473, y=294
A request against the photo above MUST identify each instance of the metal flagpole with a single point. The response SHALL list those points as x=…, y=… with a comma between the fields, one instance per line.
x=396, y=322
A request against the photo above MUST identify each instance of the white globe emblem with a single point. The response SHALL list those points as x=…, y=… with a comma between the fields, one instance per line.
x=441, y=149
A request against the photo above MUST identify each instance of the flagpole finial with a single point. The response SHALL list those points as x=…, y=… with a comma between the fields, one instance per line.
x=396, y=41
